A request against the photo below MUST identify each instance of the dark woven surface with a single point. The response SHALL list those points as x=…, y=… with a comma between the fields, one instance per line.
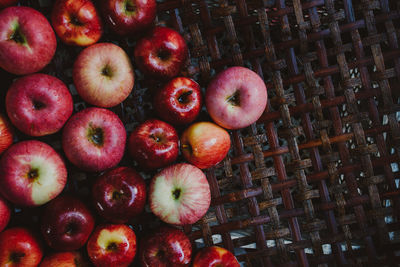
x=316, y=181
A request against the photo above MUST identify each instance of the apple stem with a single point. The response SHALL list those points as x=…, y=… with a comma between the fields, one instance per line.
x=184, y=97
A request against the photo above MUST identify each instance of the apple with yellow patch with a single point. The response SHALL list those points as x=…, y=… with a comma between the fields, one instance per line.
x=215, y=256
x=112, y=245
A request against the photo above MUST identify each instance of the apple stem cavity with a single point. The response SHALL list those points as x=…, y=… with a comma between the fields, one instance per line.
x=75, y=21
x=16, y=257
x=33, y=173
x=234, y=99
x=96, y=136
x=184, y=97
x=112, y=246
x=130, y=7
x=71, y=228
x=117, y=195
x=188, y=147
x=106, y=71
x=176, y=193
x=38, y=105
x=17, y=35
x=164, y=55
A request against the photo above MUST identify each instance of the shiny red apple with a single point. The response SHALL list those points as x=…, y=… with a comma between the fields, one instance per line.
x=5, y=213
x=215, y=256
x=76, y=22
x=112, y=245
x=179, y=101
x=64, y=259
x=167, y=246
x=6, y=134
x=154, y=144
x=19, y=247
x=66, y=223
x=162, y=53
x=126, y=17
x=119, y=194
x=205, y=144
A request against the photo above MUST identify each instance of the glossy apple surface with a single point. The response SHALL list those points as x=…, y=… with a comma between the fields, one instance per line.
x=179, y=194
x=154, y=144
x=39, y=104
x=179, y=101
x=162, y=53
x=6, y=134
x=94, y=139
x=129, y=16
x=26, y=45
x=7, y=3
x=31, y=173
x=112, y=245
x=103, y=75
x=205, y=144
x=66, y=223
x=119, y=194
x=76, y=22
x=5, y=213
x=215, y=256
x=236, y=98
x=18, y=247
x=168, y=246
x=64, y=259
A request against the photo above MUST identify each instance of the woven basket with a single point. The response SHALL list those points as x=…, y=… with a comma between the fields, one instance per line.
x=316, y=180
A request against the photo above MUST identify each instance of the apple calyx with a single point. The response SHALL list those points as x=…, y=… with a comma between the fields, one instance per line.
x=106, y=71
x=16, y=35
x=15, y=257
x=130, y=7
x=176, y=193
x=184, y=97
x=96, y=136
x=234, y=99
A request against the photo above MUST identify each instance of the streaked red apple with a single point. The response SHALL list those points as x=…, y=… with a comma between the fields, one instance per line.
x=103, y=75
x=64, y=259
x=162, y=53
x=179, y=101
x=94, y=139
x=205, y=144
x=112, y=245
x=167, y=246
x=179, y=194
x=5, y=213
x=26, y=45
x=76, y=22
x=31, y=173
x=6, y=134
x=39, y=104
x=154, y=144
x=119, y=194
x=236, y=98
x=215, y=256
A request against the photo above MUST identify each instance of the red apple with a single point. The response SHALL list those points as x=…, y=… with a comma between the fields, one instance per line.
x=215, y=256
x=180, y=194
x=154, y=144
x=94, y=139
x=205, y=144
x=112, y=245
x=179, y=101
x=129, y=16
x=5, y=213
x=39, y=104
x=168, y=246
x=162, y=53
x=119, y=194
x=6, y=134
x=18, y=247
x=31, y=173
x=76, y=22
x=64, y=259
x=26, y=45
x=66, y=223
x=103, y=75
x=236, y=98
x=7, y=3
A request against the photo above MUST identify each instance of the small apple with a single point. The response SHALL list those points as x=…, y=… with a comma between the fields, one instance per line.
x=205, y=144
x=179, y=101
x=26, y=45
x=5, y=213
x=162, y=53
x=112, y=245
x=179, y=194
x=236, y=98
x=18, y=247
x=168, y=246
x=64, y=259
x=103, y=75
x=154, y=144
x=39, y=104
x=119, y=194
x=6, y=134
x=7, y=3
x=31, y=173
x=76, y=22
x=215, y=256
x=129, y=16
x=66, y=223
x=94, y=139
